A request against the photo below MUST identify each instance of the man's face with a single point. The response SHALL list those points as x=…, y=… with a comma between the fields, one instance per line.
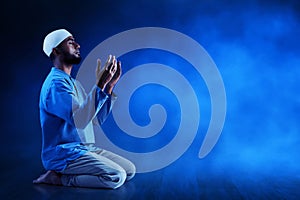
x=70, y=51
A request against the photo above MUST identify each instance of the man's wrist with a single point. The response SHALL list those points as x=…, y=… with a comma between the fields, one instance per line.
x=101, y=86
x=109, y=89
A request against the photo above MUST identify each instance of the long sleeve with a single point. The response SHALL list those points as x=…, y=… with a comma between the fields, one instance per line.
x=64, y=103
x=106, y=108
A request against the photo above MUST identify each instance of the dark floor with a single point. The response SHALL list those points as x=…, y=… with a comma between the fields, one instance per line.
x=184, y=179
x=162, y=184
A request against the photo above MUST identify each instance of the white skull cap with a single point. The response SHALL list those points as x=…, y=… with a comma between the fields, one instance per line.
x=53, y=39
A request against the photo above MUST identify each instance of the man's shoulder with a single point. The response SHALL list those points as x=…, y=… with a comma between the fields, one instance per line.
x=55, y=81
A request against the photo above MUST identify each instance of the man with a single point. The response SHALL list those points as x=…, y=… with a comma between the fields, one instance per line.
x=67, y=116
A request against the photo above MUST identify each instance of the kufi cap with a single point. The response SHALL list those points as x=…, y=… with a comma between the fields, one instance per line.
x=53, y=39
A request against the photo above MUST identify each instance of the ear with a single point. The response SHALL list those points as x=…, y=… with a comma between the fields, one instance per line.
x=56, y=51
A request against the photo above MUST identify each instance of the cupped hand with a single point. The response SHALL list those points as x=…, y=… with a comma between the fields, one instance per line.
x=114, y=79
x=104, y=76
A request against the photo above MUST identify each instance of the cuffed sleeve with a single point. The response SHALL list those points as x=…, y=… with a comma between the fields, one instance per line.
x=106, y=108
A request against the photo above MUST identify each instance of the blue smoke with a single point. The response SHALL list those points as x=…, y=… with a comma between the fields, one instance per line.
x=255, y=45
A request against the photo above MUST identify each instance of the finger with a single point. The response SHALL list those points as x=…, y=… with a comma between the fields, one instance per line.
x=114, y=67
x=110, y=58
x=98, y=68
x=108, y=62
x=98, y=62
x=113, y=60
x=110, y=66
x=119, y=70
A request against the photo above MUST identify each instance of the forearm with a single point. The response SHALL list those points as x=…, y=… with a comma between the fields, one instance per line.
x=106, y=108
x=108, y=89
x=92, y=105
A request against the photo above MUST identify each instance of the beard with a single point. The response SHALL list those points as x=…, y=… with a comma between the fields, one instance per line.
x=71, y=59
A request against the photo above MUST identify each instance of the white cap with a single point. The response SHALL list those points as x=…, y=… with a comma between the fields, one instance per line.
x=53, y=39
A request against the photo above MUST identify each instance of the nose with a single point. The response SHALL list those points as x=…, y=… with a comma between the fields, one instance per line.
x=77, y=46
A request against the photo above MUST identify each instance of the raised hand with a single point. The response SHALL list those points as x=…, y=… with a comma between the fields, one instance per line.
x=104, y=76
x=115, y=79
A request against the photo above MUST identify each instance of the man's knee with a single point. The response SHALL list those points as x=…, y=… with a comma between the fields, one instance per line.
x=117, y=179
x=130, y=172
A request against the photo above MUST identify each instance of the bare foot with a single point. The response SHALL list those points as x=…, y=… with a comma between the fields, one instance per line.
x=50, y=177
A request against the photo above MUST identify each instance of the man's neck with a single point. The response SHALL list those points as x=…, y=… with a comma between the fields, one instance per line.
x=66, y=68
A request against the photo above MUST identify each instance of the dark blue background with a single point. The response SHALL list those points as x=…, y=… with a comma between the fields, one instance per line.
x=255, y=45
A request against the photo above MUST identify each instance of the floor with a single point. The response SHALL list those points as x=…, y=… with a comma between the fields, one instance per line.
x=162, y=184
x=187, y=178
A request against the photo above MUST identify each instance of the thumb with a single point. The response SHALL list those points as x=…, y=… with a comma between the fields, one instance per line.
x=98, y=68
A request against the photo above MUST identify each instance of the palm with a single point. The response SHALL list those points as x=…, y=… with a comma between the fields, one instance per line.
x=104, y=76
x=117, y=75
